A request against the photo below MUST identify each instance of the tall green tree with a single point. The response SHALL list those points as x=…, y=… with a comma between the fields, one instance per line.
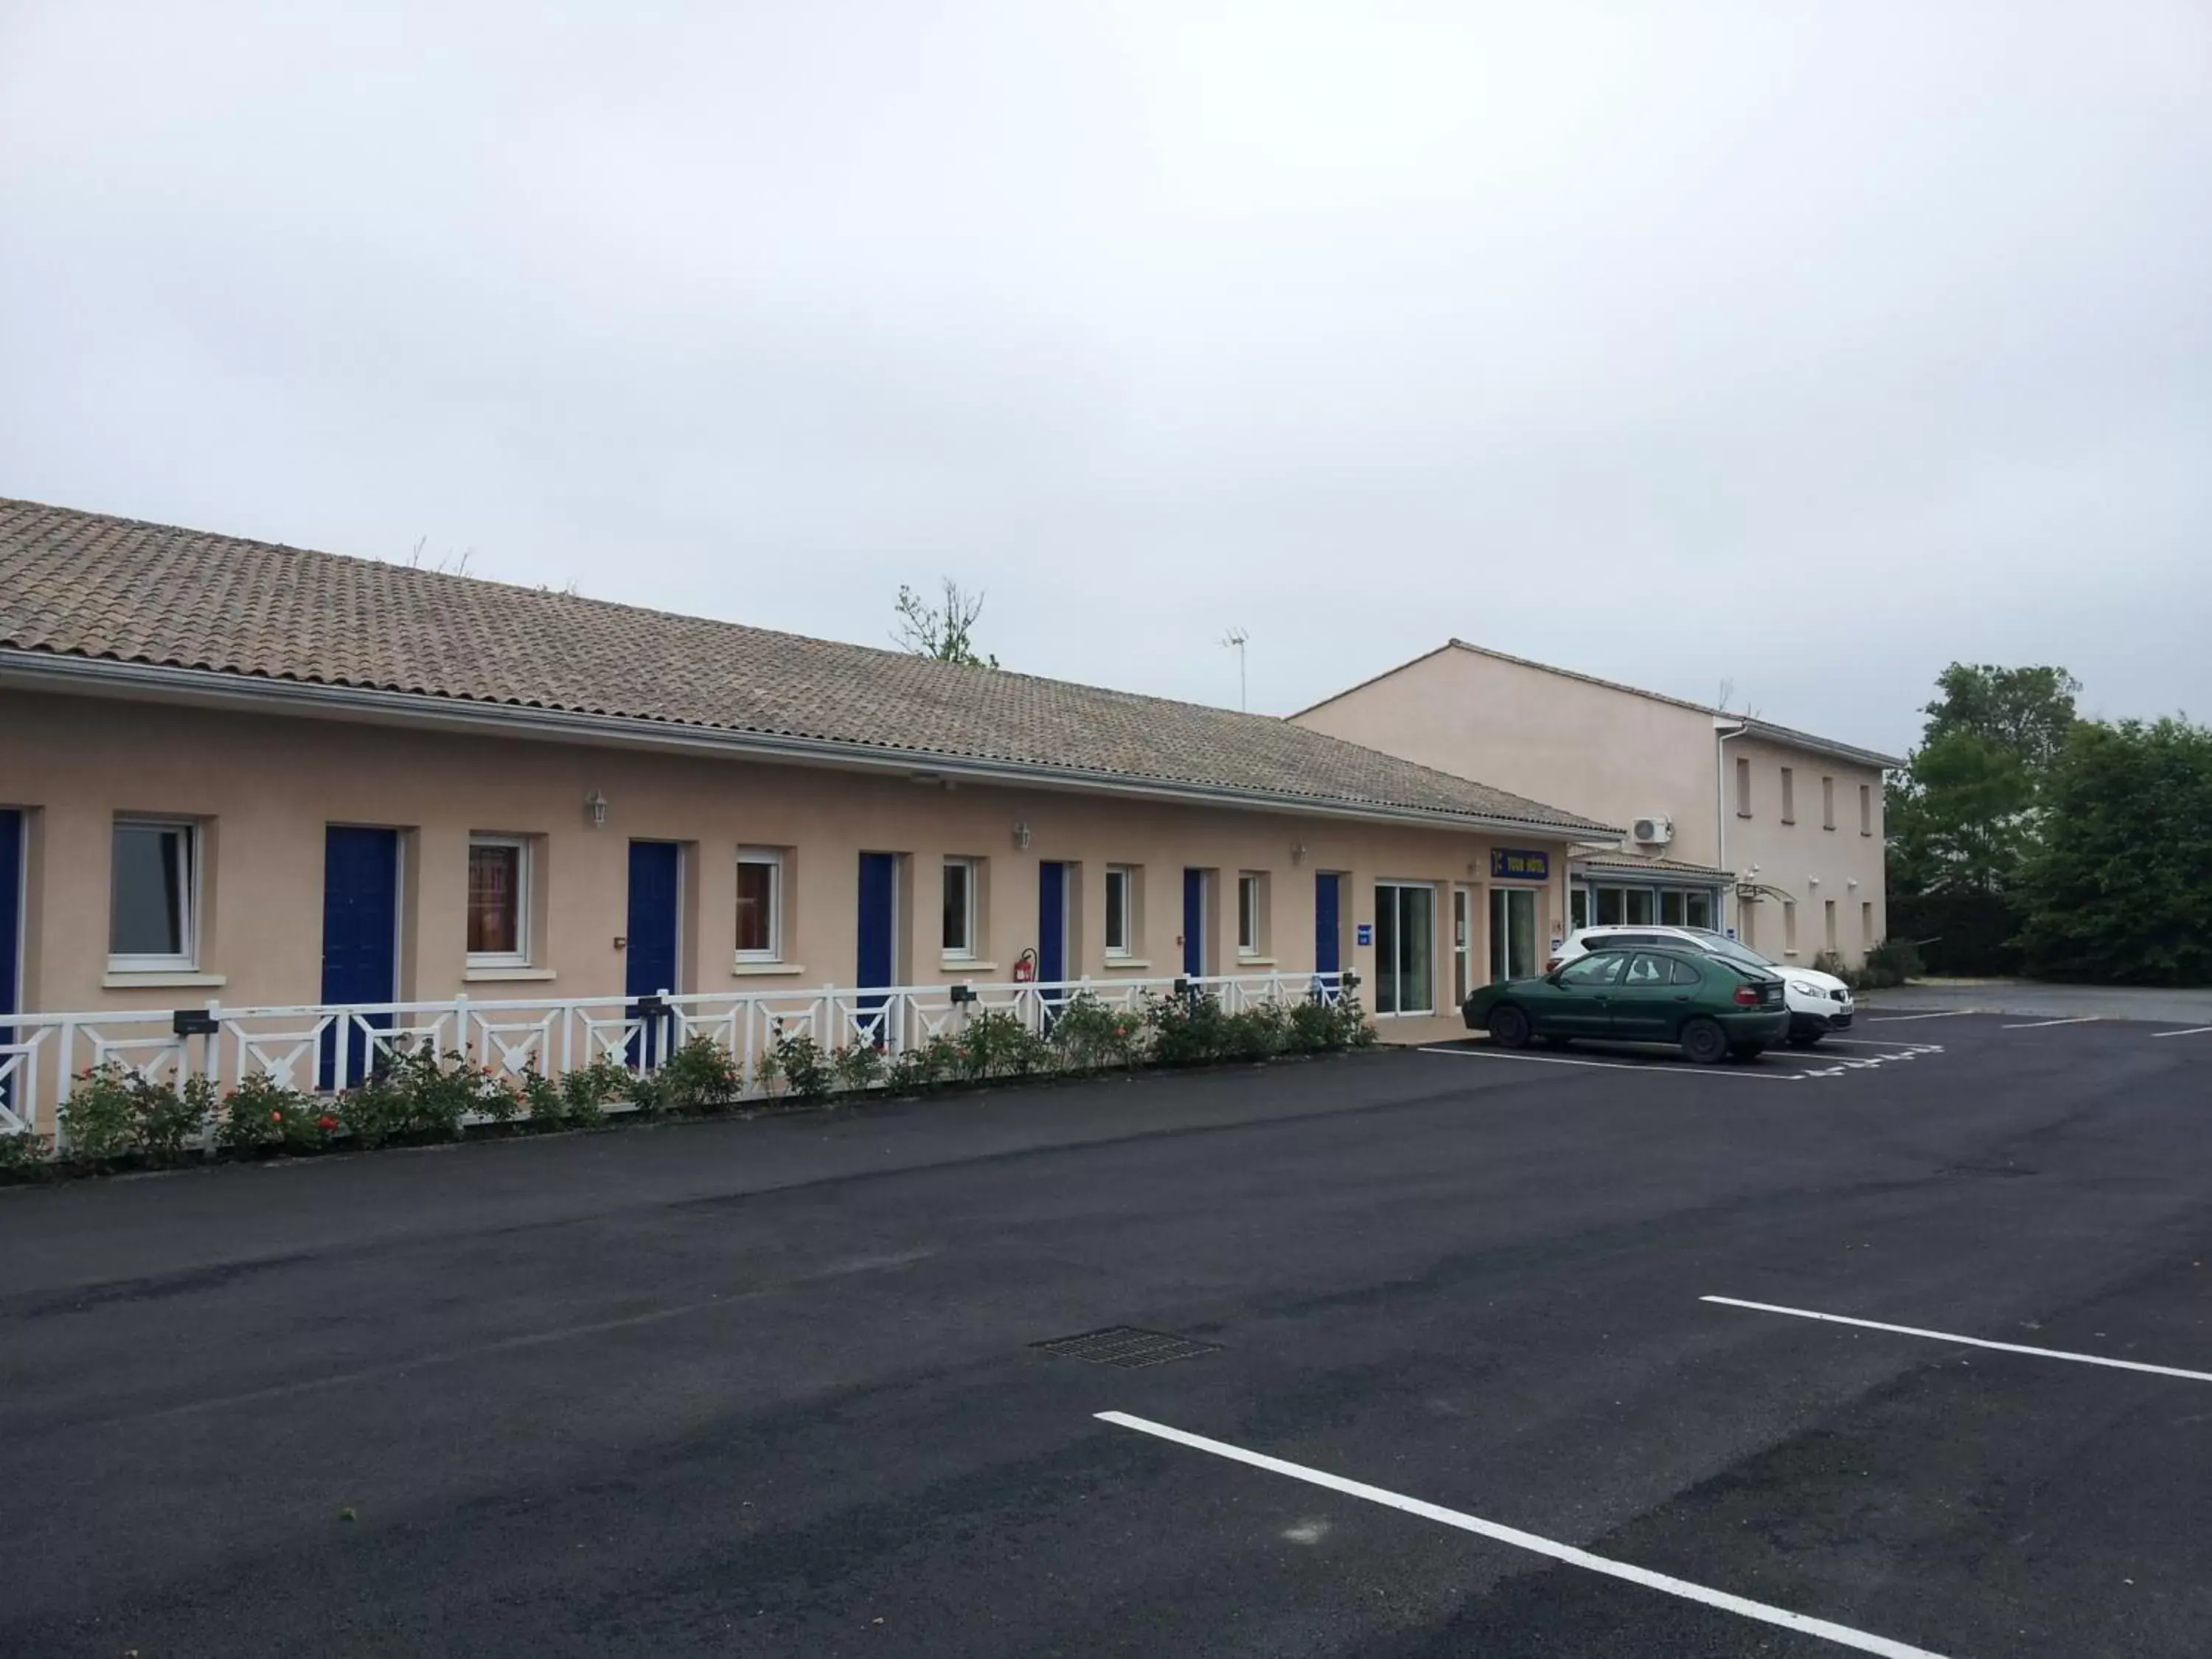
x=2118, y=886
x=1962, y=816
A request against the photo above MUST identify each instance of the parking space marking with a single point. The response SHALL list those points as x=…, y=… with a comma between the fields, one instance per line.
x=2193, y=1030
x=1618, y=1065
x=2038, y=1024
x=1968, y=1341
x=1899, y=1019
x=1842, y=1635
x=1880, y=1043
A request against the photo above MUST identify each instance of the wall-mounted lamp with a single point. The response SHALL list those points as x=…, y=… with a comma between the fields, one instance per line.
x=1852, y=883
x=1812, y=881
x=1022, y=835
x=595, y=810
x=1298, y=852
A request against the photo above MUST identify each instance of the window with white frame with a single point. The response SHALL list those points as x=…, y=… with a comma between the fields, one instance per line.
x=1405, y=947
x=961, y=880
x=1121, y=904
x=499, y=900
x=153, y=906
x=1251, y=914
x=759, y=904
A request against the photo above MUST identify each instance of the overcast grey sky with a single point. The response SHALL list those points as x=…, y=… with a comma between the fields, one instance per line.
x=1806, y=346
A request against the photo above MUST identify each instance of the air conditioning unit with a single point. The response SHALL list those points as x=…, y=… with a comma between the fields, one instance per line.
x=1653, y=831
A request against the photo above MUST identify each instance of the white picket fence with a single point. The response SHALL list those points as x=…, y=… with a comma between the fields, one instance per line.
x=324, y=1048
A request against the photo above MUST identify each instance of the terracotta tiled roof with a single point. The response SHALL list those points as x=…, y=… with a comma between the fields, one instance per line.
x=86, y=585
x=1610, y=859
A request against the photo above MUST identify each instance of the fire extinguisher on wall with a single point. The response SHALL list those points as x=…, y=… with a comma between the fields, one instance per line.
x=1025, y=967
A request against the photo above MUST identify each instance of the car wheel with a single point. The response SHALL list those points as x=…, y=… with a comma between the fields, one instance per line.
x=1704, y=1043
x=1804, y=1039
x=1509, y=1027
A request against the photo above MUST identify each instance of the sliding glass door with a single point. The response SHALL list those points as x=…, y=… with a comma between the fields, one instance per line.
x=1512, y=933
x=1405, y=948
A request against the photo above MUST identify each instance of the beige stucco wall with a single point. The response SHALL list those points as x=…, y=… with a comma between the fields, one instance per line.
x=1616, y=755
x=265, y=787
x=1572, y=744
x=1812, y=864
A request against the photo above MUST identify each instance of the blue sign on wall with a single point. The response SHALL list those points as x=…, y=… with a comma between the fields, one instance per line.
x=1519, y=864
x=1367, y=934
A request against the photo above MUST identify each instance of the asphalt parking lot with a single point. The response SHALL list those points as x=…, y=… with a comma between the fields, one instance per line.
x=1445, y=1376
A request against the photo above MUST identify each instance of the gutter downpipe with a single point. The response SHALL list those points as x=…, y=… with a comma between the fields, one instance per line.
x=1721, y=733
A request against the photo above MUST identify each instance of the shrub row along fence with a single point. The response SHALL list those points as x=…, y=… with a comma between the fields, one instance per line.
x=300, y=1080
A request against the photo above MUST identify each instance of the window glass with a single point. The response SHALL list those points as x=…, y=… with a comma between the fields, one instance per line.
x=1699, y=910
x=959, y=908
x=150, y=895
x=1405, y=948
x=1612, y=906
x=495, y=899
x=1671, y=912
x=1117, y=911
x=1743, y=787
x=1866, y=810
x=1680, y=971
x=1588, y=973
x=759, y=904
x=1640, y=907
x=1248, y=914
x=1788, y=795
x=1827, y=803
x=1645, y=972
x=1512, y=933
x=1578, y=908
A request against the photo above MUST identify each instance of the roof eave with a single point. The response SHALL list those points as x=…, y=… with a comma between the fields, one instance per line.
x=36, y=669
x=1791, y=737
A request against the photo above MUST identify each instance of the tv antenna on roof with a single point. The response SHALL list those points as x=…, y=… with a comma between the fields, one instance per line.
x=1235, y=638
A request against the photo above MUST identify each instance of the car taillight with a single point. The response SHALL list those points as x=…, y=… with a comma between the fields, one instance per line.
x=1747, y=996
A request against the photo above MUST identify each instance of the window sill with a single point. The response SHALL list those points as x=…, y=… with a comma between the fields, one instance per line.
x=505, y=976
x=965, y=965
x=1743, y=815
x=1245, y=959
x=1116, y=964
x=764, y=969
x=158, y=979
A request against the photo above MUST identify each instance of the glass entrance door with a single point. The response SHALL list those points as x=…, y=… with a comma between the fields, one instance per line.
x=1512, y=933
x=1405, y=948
x=1462, y=945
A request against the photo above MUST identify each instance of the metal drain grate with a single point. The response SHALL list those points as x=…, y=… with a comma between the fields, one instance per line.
x=1126, y=1347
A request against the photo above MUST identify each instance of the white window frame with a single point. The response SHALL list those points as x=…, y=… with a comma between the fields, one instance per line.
x=964, y=951
x=191, y=845
x=1251, y=892
x=524, y=878
x=773, y=858
x=1125, y=875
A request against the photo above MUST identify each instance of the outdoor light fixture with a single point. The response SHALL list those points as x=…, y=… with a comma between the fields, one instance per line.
x=595, y=809
x=1298, y=853
x=1022, y=835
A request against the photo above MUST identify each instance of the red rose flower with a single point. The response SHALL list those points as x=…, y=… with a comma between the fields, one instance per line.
x=327, y=1123
x=276, y=1115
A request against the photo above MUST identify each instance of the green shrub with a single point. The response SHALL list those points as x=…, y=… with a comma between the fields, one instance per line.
x=114, y=1112
x=858, y=1066
x=701, y=1076
x=923, y=1065
x=1188, y=1029
x=1088, y=1036
x=1892, y=962
x=1257, y=1032
x=22, y=1149
x=998, y=1042
x=587, y=1090
x=800, y=1062
x=262, y=1114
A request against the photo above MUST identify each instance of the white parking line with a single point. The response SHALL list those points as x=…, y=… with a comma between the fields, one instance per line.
x=1842, y=1635
x=2038, y=1024
x=1969, y=1342
x=2194, y=1030
x=1880, y=1043
x=1899, y=1019
x=1619, y=1064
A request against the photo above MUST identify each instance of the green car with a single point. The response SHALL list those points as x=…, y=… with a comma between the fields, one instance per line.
x=1712, y=1007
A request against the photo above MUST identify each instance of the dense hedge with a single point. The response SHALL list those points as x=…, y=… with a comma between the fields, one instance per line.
x=113, y=1117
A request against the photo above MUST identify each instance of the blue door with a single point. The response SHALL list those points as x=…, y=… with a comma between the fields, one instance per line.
x=1328, y=944
x=878, y=929
x=1052, y=933
x=11, y=925
x=655, y=868
x=360, y=938
x=1052, y=923
x=1193, y=922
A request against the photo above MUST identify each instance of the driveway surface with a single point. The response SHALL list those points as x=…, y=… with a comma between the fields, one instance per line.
x=2168, y=1005
x=772, y=1387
